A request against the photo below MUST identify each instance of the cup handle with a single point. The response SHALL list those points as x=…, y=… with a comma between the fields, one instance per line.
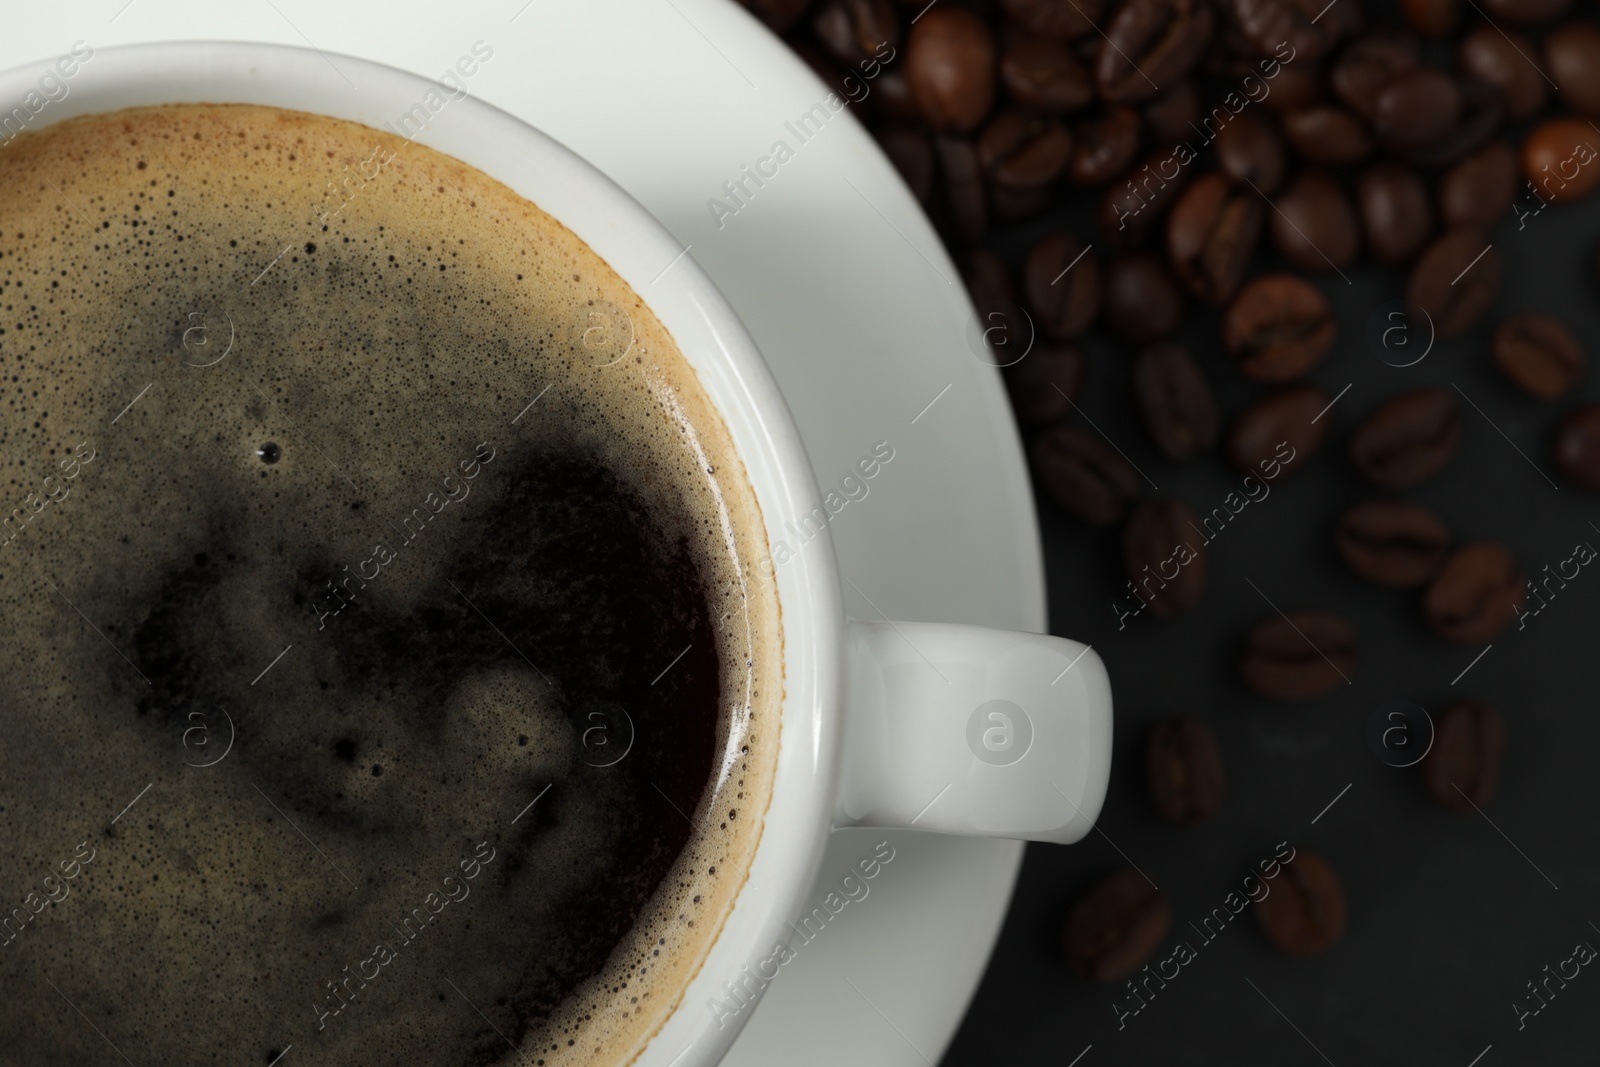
x=965, y=730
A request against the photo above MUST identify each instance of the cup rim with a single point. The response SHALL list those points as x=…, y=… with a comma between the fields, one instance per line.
x=712, y=340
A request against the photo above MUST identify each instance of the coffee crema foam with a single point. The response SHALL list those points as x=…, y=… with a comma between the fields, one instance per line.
x=340, y=553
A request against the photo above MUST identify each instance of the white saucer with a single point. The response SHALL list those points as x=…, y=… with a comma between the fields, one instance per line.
x=849, y=293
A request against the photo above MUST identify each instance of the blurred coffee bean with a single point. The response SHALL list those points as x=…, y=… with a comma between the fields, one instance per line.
x=1561, y=157
x=1295, y=30
x=1416, y=109
x=1045, y=76
x=853, y=30
x=1061, y=281
x=1502, y=59
x=1304, y=914
x=1539, y=354
x=778, y=14
x=1478, y=190
x=1408, y=439
x=1173, y=115
x=1482, y=112
x=1314, y=225
x=912, y=155
x=1297, y=87
x=961, y=181
x=1023, y=151
x=1455, y=280
x=1014, y=203
x=892, y=97
x=1104, y=146
x=1463, y=766
x=1062, y=21
x=1150, y=43
x=1475, y=594
x=1276, y=435
x=1433, y=19
x=1142, y=298
x=1165, y=556
x=1045, y=383
x=950, y=62
x=1300, y=655
x=988, y=282
x=1327, y=135
x=1278, y=328
x=1132, y=207
x=1178, y=407
x=1572, y=59
x=1524, y=12
x=1211, y=234
x=1083, y=474
x=1392, y=543
x=1250, y=150
x=1396, y=216
x=1577, y=446
x=1114, y=927
x=1184, y=769
x=1368, y=65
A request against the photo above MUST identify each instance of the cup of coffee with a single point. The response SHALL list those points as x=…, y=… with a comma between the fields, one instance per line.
x=400, y=666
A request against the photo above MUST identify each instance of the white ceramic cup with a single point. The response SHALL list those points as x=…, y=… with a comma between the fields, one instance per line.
x=945, y=728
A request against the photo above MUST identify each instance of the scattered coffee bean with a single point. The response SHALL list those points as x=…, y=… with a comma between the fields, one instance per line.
x=1046, y=77
x=1250, y=150
x=1301, y=26
x=1524, y=12
x=1408, y=439
x=1463, y=766
x=1053, y=19
x=1502, y=59
x=966, y=208
x=1278, y=328
x=1577, y=447
x=1165, y=556
x=1022, y=151
x=1371, y=62
x=1305, y=912
x=1175, y=113
x=1150, y=43
x=1314, y=225
x=950, y=62
x=1396, y=217
x=1328, y=136
x=1482, y=112
x=1084, y=474
x=1104, y=147
x=1392, y=543
x=912, y=155
x=1114, y=927
x=1275, y=436
x=1435, y=19
x=778, y=14
x=1300, y=655
x=1211, y=234
x=1561, y=157
x=1132, y=207
x=1478, y=190
x=1142, y=298
x=1178, y=407
x=1297, y=87
x=1455, y=280
x=1184, y=768
x=1061, y=279
x=1572, y=58
x=1539, y=354
x=854, y=30
x=1044, y=384
x=1417, y=108
x=1474, y=594
x=893, y=99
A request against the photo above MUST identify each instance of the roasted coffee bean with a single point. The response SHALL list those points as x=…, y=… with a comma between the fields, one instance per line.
x=1304, y=914
x=1455, y=280
x=1501, y=59
x=1174, y=115
x=961, y=182
x=1392, y=543
x=1416, y=109
x=1524, y=12
x=1184, y=768
x=1179, y=409
x=1300, y=655
x=1314, y=225
x=1368, y=65
x=1250, y=150
x=854, y=30
x=1276, y=435
x=1434, y=19
x=1084, y=474
x=1045, y=76
x=1104, y=146
x=1478, y=190
x=1539, y=354
x=1278, y=328
x=1014, y=203
x=893, y=99
x=1561, y=157
x=1328, y=136
x=1114, y=927
x=778, y=14
x=991, y=287
x=1142, y=298
x=1408, y=440
x=1577, y=446
x=1132, y=208
x=1165, y=556
x=1053, y=18
x=1463, y=766
x=950, y=62
x=1477, y=591
x=1211, y=233
x=1061, y=280
x=1150, y=43
x=912, y=155
x=1294, y=30
x=1045, y=383
x=1482, y=112
x=1023, y=151
x=1296, y=87
x=1572, y=58
x=1396, y=216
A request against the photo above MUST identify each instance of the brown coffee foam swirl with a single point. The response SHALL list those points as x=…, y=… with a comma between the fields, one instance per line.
x=379, y=352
